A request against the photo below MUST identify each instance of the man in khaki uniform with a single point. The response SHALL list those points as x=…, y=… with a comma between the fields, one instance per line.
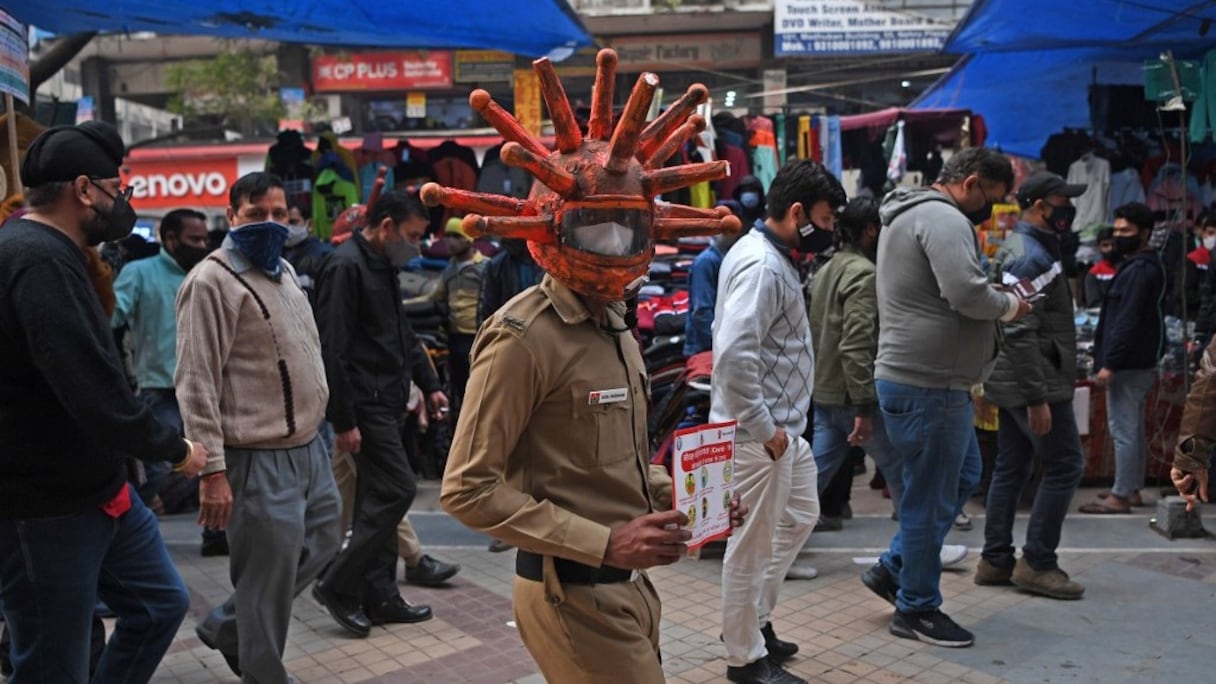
x=542, y=462
x=550, y=452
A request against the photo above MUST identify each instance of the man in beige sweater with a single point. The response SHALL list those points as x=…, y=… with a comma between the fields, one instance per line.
x=252, y=389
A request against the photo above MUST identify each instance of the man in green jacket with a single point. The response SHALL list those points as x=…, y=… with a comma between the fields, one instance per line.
x=1032, y=385
x=844, y=326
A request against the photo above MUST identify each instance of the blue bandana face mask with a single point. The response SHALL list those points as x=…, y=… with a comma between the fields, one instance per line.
x=262, y=244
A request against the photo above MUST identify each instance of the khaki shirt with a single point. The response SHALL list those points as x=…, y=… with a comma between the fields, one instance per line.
x=540, y=460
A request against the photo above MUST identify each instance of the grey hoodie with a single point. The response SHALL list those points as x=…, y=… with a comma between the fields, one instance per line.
x=937, y=312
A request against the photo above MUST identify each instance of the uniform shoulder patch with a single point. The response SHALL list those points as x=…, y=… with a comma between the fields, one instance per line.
x=513, y=323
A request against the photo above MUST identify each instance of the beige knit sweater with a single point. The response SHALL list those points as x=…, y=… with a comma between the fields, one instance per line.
x=249, y=369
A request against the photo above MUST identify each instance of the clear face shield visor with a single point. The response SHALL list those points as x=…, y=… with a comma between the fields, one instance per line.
x=609, y=227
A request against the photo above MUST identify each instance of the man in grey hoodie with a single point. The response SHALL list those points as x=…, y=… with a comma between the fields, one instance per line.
x=763, y=373
x=937, y=338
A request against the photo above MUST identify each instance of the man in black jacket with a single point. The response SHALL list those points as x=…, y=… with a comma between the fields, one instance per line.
x=1128, y=343
x=370, y=355
x=71, y=531
x=510, y=272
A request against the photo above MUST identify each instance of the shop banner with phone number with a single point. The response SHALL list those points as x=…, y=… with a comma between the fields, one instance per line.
x=852, y=27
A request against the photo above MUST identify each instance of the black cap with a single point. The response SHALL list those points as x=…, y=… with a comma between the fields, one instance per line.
x=1044, y=184
x=62, y=153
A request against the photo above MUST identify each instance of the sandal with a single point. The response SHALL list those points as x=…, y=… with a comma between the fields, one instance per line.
x=1135, y=500
x=1111, y=505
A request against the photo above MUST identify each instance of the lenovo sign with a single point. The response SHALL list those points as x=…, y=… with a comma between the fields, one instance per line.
x=396, y=70
x=189, y=183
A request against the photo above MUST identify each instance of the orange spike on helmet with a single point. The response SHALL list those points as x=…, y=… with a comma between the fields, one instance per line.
x=592, y=219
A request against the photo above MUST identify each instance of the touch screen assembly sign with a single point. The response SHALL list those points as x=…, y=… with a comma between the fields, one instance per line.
x=852, y=27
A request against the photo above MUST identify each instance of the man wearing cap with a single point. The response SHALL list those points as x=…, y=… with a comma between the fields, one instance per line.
x=71, y=529
x=1032, y=385
x=460, y=287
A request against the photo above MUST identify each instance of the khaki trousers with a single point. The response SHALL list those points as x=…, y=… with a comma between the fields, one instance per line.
x=408, y=546
x=590, y=634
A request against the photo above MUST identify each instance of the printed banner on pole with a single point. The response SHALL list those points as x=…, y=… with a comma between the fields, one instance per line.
x=852, y=27
x=14, y=58
x=702, y=467
x=527, y=100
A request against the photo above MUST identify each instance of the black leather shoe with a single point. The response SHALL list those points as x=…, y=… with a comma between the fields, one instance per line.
x=763, y=671
x=430, y=572
x=215, y=547
x=777, y=649
x=396, y=610
x=233, y=663
x=497, y=546
x=346, y=612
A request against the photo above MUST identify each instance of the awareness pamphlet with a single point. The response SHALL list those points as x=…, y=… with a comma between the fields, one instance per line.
x=702, y=469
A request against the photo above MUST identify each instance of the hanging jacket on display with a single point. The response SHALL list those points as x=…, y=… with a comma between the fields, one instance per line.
x=331, y=153
x=1094, y=172
x=291, y=161
x=367, y=178
x=331, y=195
x=1203, y=116
x=497, y=178
x=1125, y=188
x=763, y=150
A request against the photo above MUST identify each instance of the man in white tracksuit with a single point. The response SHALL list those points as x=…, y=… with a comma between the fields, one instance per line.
x=763, y=370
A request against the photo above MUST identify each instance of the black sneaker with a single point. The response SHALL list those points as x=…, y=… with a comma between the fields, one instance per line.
x=879, y=580
x=778, y=650
x=763, y=671
x=933, y=627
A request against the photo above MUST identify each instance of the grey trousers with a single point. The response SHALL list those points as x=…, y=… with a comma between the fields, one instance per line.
x=285, y=529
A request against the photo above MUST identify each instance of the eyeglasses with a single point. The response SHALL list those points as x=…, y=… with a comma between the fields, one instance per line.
x=123, y=192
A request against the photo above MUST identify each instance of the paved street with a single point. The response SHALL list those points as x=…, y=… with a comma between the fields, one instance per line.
x=1149, y=614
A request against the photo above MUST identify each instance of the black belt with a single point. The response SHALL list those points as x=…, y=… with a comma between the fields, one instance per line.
x=530, y=566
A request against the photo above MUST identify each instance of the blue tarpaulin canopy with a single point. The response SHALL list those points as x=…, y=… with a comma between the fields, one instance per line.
x=1030, y=63
x=532, y=28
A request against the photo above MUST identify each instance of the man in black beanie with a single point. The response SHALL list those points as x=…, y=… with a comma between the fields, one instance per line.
x=70, y=530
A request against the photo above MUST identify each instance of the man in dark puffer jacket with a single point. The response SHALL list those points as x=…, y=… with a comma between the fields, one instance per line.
x=1032, y=385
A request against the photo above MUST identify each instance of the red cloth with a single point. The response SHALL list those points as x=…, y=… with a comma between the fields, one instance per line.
x=1201, y=257
x=1103, y=270
x=120, y=504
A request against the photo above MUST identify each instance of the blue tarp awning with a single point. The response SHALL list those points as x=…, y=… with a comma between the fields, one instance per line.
x=532, y=28
x=1030, y=63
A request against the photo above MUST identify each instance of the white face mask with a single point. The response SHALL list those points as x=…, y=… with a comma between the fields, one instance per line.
x=608, y=239
x=1209, y=243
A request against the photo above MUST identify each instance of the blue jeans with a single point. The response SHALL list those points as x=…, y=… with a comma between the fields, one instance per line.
x=1063, y=465
x=1125, y=396
x=833, y=425
x=53, y=570
x=933, y=431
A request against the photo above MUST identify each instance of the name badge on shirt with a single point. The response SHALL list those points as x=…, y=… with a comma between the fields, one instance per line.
x=608, y=396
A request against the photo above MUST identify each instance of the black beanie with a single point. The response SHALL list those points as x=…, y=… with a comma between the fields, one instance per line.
x=62, y=153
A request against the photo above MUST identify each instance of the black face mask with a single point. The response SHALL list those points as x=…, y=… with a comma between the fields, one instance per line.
x=813, y=240
x=1112, y=257
x=188, y=257
x=115, y=224
x=1060, y=219
x=978, y=216
x=1127, y=245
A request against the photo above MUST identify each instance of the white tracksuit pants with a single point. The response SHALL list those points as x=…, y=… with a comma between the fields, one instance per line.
x=782, y=498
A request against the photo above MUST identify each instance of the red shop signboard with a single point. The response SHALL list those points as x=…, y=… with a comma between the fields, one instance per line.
x=396, y=70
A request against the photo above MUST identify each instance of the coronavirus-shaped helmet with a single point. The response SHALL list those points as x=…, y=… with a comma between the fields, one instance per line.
x=592, y=219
